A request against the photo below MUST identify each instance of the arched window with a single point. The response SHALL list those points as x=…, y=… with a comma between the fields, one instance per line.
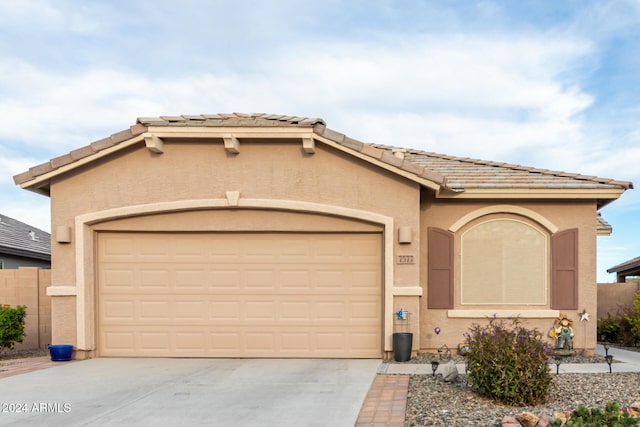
x=504, y=261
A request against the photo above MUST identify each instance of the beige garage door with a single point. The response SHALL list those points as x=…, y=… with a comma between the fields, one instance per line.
x=239, y=294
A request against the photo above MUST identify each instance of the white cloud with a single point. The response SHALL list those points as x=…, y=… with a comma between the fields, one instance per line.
x=459, y=87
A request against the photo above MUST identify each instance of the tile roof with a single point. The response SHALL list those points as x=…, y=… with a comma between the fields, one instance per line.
x=447, y=172
x=20, y=239
x=602, y=226
x=229, y=120
x=465, y=173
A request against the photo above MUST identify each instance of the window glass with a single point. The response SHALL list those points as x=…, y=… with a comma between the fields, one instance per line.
x=504, y=261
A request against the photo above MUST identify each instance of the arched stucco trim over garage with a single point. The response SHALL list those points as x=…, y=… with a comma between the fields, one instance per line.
x=518, y=210
x=85, y=294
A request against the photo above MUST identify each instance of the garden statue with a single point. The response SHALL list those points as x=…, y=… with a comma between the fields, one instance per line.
x=562, y=331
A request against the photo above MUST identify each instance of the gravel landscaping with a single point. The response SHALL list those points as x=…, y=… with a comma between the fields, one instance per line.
x=432, y=402
x=10, y=353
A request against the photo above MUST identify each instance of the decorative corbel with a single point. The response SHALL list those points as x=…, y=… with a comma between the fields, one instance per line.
x=153, y=143
x=231, y=144
x=308, y=144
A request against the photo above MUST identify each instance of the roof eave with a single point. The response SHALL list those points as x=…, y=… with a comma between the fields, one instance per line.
x=602, y=195
x=25, y=253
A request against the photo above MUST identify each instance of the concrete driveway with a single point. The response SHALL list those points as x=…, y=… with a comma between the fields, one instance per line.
x=189, y=392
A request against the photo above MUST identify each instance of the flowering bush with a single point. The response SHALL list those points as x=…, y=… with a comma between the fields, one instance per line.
x=508, y=363
x=11, y=325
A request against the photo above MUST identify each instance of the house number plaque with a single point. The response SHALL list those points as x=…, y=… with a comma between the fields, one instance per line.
x=406, y=259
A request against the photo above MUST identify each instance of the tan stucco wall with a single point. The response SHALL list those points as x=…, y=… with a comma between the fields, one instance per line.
x=197, y=171
x=563, y=215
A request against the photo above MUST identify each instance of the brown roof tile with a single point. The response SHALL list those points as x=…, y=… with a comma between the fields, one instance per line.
x=466, y=173
x=389, y=158
x=352, y=143
x=602, y=224
x=60, y=161
x=102, y=144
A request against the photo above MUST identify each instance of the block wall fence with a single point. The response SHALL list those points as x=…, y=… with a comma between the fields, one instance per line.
x=28, y=286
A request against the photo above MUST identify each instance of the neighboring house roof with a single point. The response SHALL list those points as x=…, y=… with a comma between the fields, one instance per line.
x=603, y=228
x=627, y=268
x=450, y=177
x=20, y=239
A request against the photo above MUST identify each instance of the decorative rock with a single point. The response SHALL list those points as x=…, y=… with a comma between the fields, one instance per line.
x=450, y=372
x=527, y=419
x=509, y=421
x=633, y=409
x=544, y=421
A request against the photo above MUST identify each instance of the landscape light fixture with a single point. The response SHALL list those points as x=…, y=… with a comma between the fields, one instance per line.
x=609, y=359
x=434, y=366
x=606, y=346
x=557, y=360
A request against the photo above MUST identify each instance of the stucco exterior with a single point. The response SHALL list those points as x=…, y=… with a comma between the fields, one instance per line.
x=556, y=216
x=252, y=176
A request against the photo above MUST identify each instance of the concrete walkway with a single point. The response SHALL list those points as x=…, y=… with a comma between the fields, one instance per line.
x=623, y=361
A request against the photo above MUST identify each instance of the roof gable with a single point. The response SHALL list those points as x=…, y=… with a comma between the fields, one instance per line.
x=448, y=176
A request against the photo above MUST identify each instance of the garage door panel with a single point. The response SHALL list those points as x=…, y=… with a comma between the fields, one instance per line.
x=155, y=278
x=114, y=310
x=115, y=342
x=190, y=341
x=239, y=295
x=155, y=310
x=190, y=310
x=223, y=343
x=154, y=341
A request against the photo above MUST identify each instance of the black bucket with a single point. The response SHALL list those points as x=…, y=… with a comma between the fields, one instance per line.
x=402, y=343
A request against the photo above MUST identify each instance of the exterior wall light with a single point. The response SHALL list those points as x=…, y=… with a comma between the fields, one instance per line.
x=404, y=235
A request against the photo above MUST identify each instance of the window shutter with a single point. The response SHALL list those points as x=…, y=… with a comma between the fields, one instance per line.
x=440, y=268
x=564, y=260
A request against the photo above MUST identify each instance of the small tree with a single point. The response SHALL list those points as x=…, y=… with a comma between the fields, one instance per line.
x=11, y=325
x=633, y=317
x=509, y=363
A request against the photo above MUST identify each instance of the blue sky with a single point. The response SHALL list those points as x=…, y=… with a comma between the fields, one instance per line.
x=550, y=84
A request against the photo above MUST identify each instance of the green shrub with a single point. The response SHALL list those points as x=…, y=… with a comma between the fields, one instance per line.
x=633, y=318
x=611, y=417
x=508, y=363
x=610, y=328
x=11, y=325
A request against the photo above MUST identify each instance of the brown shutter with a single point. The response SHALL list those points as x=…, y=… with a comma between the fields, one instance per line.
x=440, y=268
x=564, y=260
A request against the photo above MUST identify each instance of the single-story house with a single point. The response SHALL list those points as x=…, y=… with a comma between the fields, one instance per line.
x=256, y=235
x=630, y=268
x=22, y=245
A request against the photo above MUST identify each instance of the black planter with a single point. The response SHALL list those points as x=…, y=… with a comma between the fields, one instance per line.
x=402, y=343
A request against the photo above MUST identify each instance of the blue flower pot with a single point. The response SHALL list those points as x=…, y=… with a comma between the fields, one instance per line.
x=61, y=352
